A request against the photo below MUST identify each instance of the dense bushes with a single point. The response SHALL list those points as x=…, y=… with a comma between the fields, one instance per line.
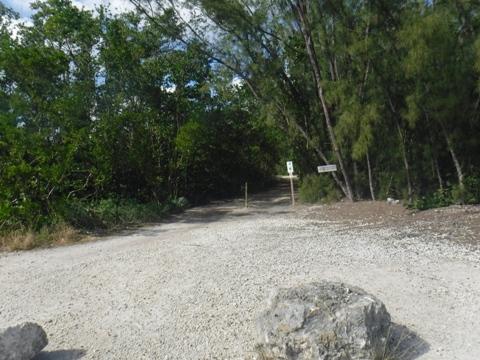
x=106, y=118
x=472, y=186
x=109, y=213
x=440, y=198
x=452, y=194
x=75, y=217
x=112, y=131
x=318, y=188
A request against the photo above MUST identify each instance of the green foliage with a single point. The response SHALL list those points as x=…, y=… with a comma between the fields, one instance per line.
x=396, y=80
x=318, y=188
x=110, y=213
x=452, y=194
x=439, y=198
x=95, y=108
x=223, y=148
x=132, y=108
x=472, y=186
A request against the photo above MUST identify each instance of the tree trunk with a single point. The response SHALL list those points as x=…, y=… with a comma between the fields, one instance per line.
x=302, y=131
x=405, y=162
x=301, y=7
x=404, y=152
x=458, y=167
x=437, y=169
x=370, y=178
x=434, y=158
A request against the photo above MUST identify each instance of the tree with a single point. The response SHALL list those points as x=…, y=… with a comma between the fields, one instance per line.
x=47, y=112
x=441, y=55
x=226, y=145
x=258, y=41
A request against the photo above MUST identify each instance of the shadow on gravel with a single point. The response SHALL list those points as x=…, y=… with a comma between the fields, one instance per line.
x=275, y=200
x=203, y=214
x=61, y=355
x=405, y=344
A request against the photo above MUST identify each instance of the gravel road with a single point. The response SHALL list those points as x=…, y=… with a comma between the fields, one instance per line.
x=189, y=288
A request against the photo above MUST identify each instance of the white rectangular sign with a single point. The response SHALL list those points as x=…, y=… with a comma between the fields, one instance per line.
x=290, y=167
x=326, y=168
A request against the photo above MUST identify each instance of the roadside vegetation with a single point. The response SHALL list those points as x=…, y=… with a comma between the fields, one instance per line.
x=80, y=218
x=108, y=119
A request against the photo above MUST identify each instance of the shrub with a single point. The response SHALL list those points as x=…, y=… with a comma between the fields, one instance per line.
x=111, y=213
x=63, y=226
x=318, y=188
x=452, y=194
x=472, y=186
x=439, y=198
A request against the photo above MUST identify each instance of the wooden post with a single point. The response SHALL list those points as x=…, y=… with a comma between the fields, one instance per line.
x=291, y=186
x=246, y=194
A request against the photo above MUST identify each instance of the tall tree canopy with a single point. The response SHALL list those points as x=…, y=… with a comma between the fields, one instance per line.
x=385, y=89
x=96, y=106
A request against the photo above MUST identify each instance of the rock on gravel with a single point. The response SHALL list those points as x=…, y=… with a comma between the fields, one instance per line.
x=323, y=320
x=22, y=342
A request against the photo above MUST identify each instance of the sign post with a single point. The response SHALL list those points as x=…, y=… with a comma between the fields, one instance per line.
x=290, y=172
x=327, y=168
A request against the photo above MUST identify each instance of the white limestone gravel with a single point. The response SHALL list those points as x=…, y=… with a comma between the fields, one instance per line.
x=190, y=288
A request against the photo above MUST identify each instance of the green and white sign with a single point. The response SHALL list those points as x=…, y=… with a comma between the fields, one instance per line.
x=290, y=167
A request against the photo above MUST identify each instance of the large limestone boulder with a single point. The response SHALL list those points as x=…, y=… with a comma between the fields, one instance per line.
x=22, y=342
x=322, y=321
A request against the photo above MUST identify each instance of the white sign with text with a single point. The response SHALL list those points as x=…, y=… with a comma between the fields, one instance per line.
x=326, y=168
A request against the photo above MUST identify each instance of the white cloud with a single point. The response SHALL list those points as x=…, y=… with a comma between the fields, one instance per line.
x=13, y=26
x=237, y=82
x=22, y=7
x=116, y=6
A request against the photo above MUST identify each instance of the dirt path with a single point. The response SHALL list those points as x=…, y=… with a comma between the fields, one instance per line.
x=190, y=288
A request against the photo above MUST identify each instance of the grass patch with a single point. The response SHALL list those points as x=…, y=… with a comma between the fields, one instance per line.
x=400, y=344
x=19, y=240
x=26, y=239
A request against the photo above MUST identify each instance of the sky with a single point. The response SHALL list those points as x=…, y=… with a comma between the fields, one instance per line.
x=23, y=6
